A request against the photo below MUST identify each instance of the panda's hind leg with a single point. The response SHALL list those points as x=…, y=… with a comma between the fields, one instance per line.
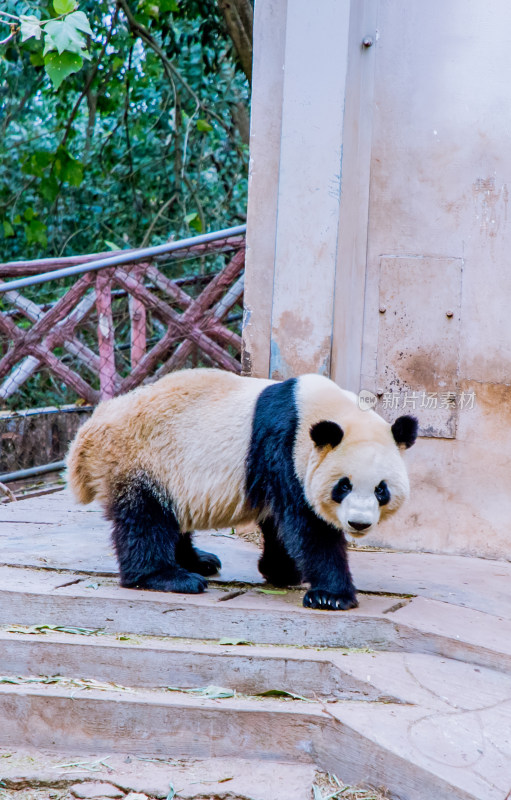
x=146, y=536
x=196, y=560
x=275, y=564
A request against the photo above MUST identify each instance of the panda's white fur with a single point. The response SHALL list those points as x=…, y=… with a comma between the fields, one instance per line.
x=205, y=448
x=190, y=431
x=366, y=455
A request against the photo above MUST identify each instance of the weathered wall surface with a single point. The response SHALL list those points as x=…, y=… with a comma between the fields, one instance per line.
x=439, y=237
x=406, y=141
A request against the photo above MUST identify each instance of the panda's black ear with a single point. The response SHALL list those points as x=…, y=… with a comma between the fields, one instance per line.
x=404, y=430
x=325, y=432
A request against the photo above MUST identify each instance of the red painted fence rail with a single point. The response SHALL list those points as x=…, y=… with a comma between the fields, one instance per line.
x=108, y=330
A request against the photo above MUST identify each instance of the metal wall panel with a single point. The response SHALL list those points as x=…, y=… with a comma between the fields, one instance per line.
x=419, y=341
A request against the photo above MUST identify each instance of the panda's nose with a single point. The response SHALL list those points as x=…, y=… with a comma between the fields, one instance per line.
x=359, y=526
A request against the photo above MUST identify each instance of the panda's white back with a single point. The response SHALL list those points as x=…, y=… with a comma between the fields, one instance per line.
x=190, y=432
x=209, y=432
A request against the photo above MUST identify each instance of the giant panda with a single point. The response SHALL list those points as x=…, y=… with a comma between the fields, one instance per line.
x=204, y=449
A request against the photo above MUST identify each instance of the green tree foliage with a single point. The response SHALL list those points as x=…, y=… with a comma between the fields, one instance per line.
x=121, y=134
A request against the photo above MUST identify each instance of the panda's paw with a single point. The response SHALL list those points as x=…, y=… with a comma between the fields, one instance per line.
x=175, y=580
x=330, y=601
x=207, y=563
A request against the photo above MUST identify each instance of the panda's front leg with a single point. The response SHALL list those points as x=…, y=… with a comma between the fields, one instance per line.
x=321, y=554
x=332, y=587
x=275, y=564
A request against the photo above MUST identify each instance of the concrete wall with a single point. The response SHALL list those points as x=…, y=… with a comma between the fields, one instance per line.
x=439, y=234
x=379, y=238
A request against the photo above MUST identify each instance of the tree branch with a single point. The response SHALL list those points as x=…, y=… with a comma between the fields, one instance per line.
x=239, y=20
x=161, y=210
x=88, y=83
x=170, y=70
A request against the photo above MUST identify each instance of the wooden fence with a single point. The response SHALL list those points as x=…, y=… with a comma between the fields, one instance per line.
x=109, y=330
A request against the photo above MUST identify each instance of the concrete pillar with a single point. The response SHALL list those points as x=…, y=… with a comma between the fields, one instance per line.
x=297, y=138
x=265, y=132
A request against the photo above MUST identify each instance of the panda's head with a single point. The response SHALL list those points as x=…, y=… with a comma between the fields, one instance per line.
x=357, y=476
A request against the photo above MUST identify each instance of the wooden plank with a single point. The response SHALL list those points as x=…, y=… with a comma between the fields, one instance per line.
x=155, y=663
x=29, y=597
x=180, y=725
x=359, y=741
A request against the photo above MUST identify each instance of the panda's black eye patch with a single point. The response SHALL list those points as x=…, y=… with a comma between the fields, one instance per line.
x=341, y=489
x=382, y=493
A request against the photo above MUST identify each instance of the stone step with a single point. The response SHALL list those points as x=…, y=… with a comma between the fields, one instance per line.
x=407, y=748
x=441, y=728
x=454, y=719
x=409, y=691
x=157, y=723
x=104, y=774
x=150, y=662
x=381, y=622
x=54, y=531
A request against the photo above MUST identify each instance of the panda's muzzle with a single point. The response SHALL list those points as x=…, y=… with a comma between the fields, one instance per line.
x=358, y=513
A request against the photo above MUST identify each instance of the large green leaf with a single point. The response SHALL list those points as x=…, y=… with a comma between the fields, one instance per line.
x=35, y=231
x=194, y=221
x=37, y=163
x=36, y=59
x=59, y=66
x=30, y=27
x=67, y=34
x=8, y=229
x=64, y=6
x=168, y=5
x=204, y=126
x=80, y=21
x=49, y=188
x=73, y=172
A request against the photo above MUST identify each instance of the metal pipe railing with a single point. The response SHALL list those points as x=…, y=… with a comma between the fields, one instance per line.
x=7, y=477
x=130, y=257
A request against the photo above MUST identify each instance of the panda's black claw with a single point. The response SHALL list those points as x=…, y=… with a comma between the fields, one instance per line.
x=207, y=563
x=336, y=601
